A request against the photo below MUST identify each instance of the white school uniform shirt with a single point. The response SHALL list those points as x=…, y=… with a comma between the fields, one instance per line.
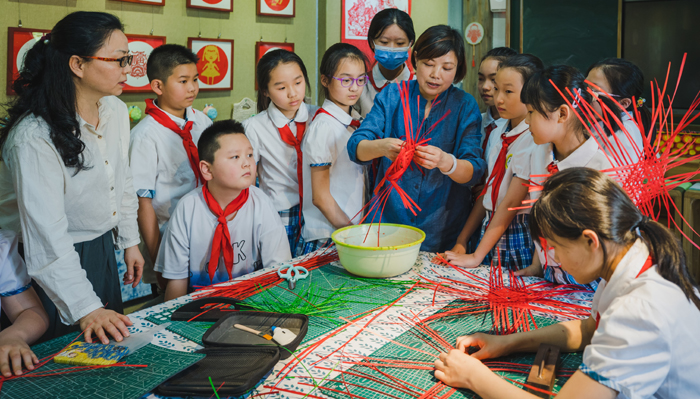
x=54, y=207
x=326, y=144
x=366, y=100
x=277, y=160
x=257, y=236
x=13, y=273
x=486, y=119
x=623, y=147
x=159, y=163
x=587, y=155
x=646, y=342
x=517, y=160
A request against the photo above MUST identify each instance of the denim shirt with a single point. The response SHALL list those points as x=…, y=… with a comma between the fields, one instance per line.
x=445, y=205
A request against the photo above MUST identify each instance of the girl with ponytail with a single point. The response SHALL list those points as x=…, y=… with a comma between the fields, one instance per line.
x=66, y=184
x=644, y=323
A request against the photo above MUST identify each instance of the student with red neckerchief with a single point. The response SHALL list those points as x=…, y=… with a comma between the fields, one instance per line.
x=641, y=338
x=226, y=228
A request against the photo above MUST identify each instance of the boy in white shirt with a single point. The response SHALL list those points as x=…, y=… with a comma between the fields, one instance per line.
x=227, y=217
x=163, y=154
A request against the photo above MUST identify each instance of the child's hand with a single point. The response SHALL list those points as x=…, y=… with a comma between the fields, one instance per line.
x=459, y=249
x=134, y=266
x=533, y=270
x=431, y=157
x=12, y=353
x=102, y=322
x=488, y=346
x=457, y=369
x=390, y=147
x=463, y=260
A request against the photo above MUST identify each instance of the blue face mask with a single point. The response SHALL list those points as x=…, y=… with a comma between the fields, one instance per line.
x=390, y=58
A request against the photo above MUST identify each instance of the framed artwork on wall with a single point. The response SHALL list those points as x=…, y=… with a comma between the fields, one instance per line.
x=149, y=2
x=356, y=17
x=213, y=5
x=276, y=8
x=140, y=46
x=19, y=41
x=215, y=64
x=261, y=48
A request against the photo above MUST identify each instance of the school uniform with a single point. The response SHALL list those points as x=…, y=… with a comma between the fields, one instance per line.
x=444, y=204
x=13, y=273
x=646, y=338
x=376, y=83
x=257, y=236
x=587, y=155
x=489, y=128
x=277, y=163
x=627, y=150
x=515, y=246
x=161, y=169
x=326, y=145
x=71, y=221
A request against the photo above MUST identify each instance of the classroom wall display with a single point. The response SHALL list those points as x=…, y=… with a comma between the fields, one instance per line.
x=140, y=46
x=215, y=64
x=214, y=5
x=358, y=14
x=19, y=41
x=276, y=8
x=261, y=48
x=151, y=2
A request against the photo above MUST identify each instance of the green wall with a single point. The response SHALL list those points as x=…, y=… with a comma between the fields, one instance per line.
x=177, y=23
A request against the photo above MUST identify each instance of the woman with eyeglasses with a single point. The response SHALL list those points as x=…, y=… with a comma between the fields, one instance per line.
x=65, y=182
x=450, y=163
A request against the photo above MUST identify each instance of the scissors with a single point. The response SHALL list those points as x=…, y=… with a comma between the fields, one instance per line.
x=292, y=274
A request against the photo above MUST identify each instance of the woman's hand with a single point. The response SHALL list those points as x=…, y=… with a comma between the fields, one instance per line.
x=134, y=266
x=463, y=260
x=489, y=346
x=457, y=369
x=431, y=157
x=390, y=147
x=102, y=321
x=12, y=353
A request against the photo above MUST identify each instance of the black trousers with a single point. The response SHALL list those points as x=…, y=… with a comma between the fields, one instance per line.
x=98, y=260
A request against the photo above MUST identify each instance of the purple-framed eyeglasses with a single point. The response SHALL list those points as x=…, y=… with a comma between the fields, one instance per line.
x=348, y=81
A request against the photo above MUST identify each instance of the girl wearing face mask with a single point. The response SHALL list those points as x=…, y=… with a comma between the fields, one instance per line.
x=390, y=36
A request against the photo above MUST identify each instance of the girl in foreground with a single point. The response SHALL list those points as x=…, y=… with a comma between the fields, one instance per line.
x=645, y=316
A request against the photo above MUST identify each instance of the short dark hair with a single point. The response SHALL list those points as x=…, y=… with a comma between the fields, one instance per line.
x=499, y=54
x=208, y=142
x=525, y=64
x=387, y=17
x=269, y=62
x=437, y=41
x=333, y=57
x=165, y=58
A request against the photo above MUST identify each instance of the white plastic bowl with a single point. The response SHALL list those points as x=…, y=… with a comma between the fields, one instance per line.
x=396, y=253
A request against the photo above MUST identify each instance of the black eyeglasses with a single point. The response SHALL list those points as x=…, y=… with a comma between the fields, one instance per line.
x=123, y=61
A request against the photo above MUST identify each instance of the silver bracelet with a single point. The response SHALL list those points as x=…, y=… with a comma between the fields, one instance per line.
x=454, y=166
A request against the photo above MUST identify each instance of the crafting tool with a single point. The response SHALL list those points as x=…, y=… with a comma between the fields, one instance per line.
x=252, y=331
x=292, y=274
x=280, y=335
x=138, y=340
x=544, y=370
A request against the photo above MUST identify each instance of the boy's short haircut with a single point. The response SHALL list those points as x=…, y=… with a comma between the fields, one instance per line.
x=499, y=54
x=208, y=142
x=165, y=58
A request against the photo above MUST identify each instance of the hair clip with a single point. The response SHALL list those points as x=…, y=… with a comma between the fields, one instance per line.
x=577, y=97
x=641, y=101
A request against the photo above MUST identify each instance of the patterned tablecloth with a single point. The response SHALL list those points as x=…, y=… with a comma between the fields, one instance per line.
x=423, y=302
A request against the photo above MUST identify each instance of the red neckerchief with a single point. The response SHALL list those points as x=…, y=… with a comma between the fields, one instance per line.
x=499, y=169
x=487, y=133
x=289, y=139
x=185, y=134
x=646, y=266
x=355, y=123
x=222, y=237
x=378, y=89
x=552, y=168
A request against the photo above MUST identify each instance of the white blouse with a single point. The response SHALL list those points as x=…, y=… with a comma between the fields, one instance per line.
x=54, y=207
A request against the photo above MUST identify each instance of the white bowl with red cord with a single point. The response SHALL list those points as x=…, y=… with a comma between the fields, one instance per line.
x=378, y=250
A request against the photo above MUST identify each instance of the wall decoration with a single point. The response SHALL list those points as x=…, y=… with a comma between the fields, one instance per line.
x=261, y=48
x=19, y=41
x=215, y=64
x=149, y=2
x=356, y=17
x=140, y=46
x=474, y=34
x=214, y=5
x=276, y=8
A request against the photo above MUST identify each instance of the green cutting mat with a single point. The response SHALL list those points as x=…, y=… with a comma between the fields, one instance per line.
x=109, y=383
x=361, y=295
x=449, y=329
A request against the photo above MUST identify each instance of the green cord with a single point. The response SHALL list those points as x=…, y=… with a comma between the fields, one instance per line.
x=212, y=387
